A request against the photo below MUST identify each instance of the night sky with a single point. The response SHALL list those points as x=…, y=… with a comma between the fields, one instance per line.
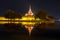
x=51, y=6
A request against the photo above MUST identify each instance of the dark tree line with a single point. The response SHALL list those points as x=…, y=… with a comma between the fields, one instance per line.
x=43, y=15
x=11, y=14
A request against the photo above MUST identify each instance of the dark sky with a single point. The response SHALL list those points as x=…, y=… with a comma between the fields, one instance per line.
x=51, y=6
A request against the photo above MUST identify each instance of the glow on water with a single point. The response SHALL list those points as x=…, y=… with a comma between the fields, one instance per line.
x=29, y=16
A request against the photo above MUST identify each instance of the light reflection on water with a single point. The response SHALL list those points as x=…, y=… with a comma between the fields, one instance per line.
x=51, y=33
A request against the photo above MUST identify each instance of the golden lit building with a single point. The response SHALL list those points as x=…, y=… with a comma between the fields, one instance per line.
x=29, y=16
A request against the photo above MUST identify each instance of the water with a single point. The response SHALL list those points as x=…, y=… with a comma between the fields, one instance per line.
x=50, y=33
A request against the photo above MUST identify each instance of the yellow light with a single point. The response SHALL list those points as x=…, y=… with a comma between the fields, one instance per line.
x=24, y=18
x=3, y=18
x=2, y=22
x=28, y=23
x=37, y=19
x=28, y=18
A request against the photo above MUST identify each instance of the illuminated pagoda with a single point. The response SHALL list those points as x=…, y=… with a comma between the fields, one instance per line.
x=29, y=16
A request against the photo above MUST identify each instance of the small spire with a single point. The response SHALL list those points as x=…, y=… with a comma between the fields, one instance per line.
x=29, y=12
x=30, y=9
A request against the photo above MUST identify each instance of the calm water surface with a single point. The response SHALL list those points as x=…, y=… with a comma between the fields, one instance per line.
x=50, y=33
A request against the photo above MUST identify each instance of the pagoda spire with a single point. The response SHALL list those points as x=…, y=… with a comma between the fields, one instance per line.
x=30, y=13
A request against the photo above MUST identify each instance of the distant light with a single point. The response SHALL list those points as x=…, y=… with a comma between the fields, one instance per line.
x=58, y=19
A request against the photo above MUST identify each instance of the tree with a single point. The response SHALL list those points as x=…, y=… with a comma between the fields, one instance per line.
x=41, y=14
x=10, y=14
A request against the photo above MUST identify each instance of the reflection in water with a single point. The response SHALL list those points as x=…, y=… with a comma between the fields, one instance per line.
x=29, y=28
x=40, y=32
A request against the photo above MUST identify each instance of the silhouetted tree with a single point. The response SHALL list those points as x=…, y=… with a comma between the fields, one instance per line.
x=41, y=14
x=10, y=14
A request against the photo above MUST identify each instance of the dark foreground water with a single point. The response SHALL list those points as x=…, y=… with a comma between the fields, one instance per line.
x=50, y=33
